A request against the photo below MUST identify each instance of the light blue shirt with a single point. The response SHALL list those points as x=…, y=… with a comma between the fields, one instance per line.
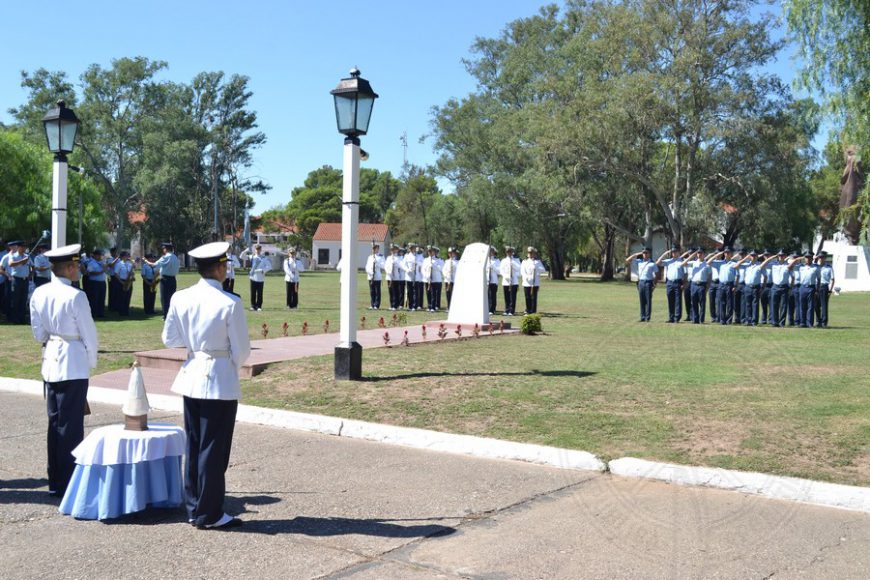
x=40, y=261
x=727, y=272
x=699, y=271
x=3, y=261
x=147, y=272
x=768, y=272
x=809, y=275
x=673, y=269
x=96, y=267
x=21, y=270
x=646, y=270
x=826, y=274
x=753, y=274
x=780, y=274
x=168, y=264
x=795, y=277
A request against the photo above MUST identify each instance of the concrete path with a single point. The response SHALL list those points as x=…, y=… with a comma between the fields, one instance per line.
x=324, y=507
x=161, y=366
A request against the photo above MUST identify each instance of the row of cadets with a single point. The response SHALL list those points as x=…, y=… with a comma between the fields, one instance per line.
x=432, y=272
x=530, y=271
x=4, y=279
x=509, y=268
x=374, y=268
x=168, y=265
x=492, y=272
x=292, y=268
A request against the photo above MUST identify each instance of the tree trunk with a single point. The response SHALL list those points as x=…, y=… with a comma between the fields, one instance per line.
x=607, y=258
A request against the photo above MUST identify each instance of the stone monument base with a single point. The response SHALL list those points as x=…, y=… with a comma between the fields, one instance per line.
x=348, y=362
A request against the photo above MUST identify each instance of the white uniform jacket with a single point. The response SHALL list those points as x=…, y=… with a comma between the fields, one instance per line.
x=259, y=266
x=392, y=268
x=510, y=271
x=531, y=271
x=211, y=325
x=60, y=317
x=291, y=270
x=492, y=270
x=232, y=264
x=374, y=265
x=426, y=269
x=410, y=267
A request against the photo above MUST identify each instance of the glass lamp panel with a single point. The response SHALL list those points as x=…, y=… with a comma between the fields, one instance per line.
x=364, y=112
x=345, y=112
x=68, y=131
x=52, y=135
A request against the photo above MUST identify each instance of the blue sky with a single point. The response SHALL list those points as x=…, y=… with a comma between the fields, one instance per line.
x=294, y=52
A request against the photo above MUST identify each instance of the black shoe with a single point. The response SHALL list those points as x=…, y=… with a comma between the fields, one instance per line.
x=224, y=523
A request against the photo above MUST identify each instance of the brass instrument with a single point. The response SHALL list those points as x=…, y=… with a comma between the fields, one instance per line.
x=128, y=283
x=154, y=283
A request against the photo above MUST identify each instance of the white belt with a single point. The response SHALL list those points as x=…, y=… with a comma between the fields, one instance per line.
x=209, y=354
x=65, y=337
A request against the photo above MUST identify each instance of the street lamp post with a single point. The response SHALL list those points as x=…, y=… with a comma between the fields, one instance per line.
x=354, y=99
x=61, y=126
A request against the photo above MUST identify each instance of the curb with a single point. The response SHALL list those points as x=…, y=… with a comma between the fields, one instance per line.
x=805, y=491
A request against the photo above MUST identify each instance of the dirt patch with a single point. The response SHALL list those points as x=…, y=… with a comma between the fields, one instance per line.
x=706, y=438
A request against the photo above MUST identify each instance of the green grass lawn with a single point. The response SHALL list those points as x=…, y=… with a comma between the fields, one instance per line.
x=784, y=401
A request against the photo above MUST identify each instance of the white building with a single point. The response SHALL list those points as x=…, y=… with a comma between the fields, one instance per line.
x=326, y=244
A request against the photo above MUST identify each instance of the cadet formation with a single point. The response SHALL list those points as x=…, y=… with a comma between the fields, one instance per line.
x=738, y=286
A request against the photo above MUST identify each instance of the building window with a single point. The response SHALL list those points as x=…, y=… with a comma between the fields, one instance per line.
x=851, y=267
x=323, y=255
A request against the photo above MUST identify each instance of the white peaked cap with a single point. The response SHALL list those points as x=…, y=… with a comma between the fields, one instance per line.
x=137, y=400
x=214, y=251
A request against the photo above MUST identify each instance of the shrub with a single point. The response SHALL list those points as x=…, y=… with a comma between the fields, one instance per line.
x=531, y=324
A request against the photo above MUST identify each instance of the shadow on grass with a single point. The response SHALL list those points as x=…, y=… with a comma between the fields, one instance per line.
x=531, y=373
x=323, y=527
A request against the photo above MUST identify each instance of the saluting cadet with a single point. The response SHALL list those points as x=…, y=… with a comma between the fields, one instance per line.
x=727, y=281
x=210, y=323
x=510, y=280
x=60, y=318
x=766, y=288
x=753, y=277
x=232, y=264
x=18, y=270
x=168, y=266
x=809, y=275
x=391, y=273
x=646, y=280
x=675, y=275
x=95, y=285
x=257, y=275
x=794, y=312
x=149, y=284
x=125, y=274
x=739, y=285
x=530, y=271
x=492, y=269
x=826, y=286
x=713, y=291
x=292, y=268
x=780, y=275
x=41, y=266
x=4, y=278
x=448, y=269
x=699, y=277
x=374, y=267
x=410, y=267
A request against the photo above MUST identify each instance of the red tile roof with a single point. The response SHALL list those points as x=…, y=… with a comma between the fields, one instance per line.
x=365, y=233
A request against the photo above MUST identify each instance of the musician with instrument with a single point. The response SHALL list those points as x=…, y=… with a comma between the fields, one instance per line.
x=150, y=281
x=125, y=273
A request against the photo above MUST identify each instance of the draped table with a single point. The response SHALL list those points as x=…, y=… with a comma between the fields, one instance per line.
x=120, y=472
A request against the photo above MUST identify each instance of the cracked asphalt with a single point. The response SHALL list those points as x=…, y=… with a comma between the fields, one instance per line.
x=316, y=506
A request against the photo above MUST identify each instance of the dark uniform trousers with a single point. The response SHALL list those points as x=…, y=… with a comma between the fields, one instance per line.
x=123, y=299
x=148, y=296
x=18, y=300
x=209, y=425
x=40, y=280
x=714, y=301
x=430, y=296
x=412, y=295
x=698, y=305
x=96, y=292
x=687, y=298
x=256, y=294
x=674, y=292
x=292, y=294
x=750, y=303
x=65, y=402
x=399, y=286
x=807, y=306
x=418, y=289
x=449, y=294
x=114, y=294
x=393, y=291
x=726, y=302
x=645, y=292
x=493, y=297
x=4, y=296
x=375, y=293
x=531, y=296
x=167, y=289
x=778, y=304
x=822, y=298
x=229, y=285
x=766, y=310
x=437, y=290
x=510, y=299
x=793, y=306
x=739, y=311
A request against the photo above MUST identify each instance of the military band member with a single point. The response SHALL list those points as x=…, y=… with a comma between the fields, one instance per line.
x=210, y=323
x=232, y=264
x=126, y=275
x=646, y=280
x=60, y=318
x=95, y=285
x=292, y=268
x=530, y=271
x=149, y=283
x=41, y=266
x=675, y=277
x=410, y=266
x=698, y=274
x=18, y=270
x=809, y=276
x=391, y=274
x=510, y=280
x=448, y=271
x=260, y=264
x=374, y=274
x=168, y=266
x=492, y=270
x=112, y=277
x=4, y=278
x=826, y=286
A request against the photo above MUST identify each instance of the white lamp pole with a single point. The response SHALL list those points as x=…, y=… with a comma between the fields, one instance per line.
x=58, y=202
x=61, y=126
x=354, y=99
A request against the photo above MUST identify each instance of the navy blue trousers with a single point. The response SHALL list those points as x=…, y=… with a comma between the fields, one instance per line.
x=726, y=303
x=510, y=299
x=822, y=305
x=167, y=289
x=65, y=403
x=674, y=292
x=209, y=424
x=750, y=304
x=493, y=297
x=807, y=298
x=698, y=305
x=778, y=305
x=645, y=292
x=375, y=293
x=714, y=301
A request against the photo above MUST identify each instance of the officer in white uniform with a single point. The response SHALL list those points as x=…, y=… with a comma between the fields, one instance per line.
x=392, y=273
x=449, y=272
x=232, y=264
x=210, y=323
x=60, y=318
x=510, y=280
x=410, y=267
x=492, y=269
x=292, y=268
x=530, y=271
x=259, y=266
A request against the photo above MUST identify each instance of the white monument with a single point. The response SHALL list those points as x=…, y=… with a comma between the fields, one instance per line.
x=470, y=304
x=851, y=264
